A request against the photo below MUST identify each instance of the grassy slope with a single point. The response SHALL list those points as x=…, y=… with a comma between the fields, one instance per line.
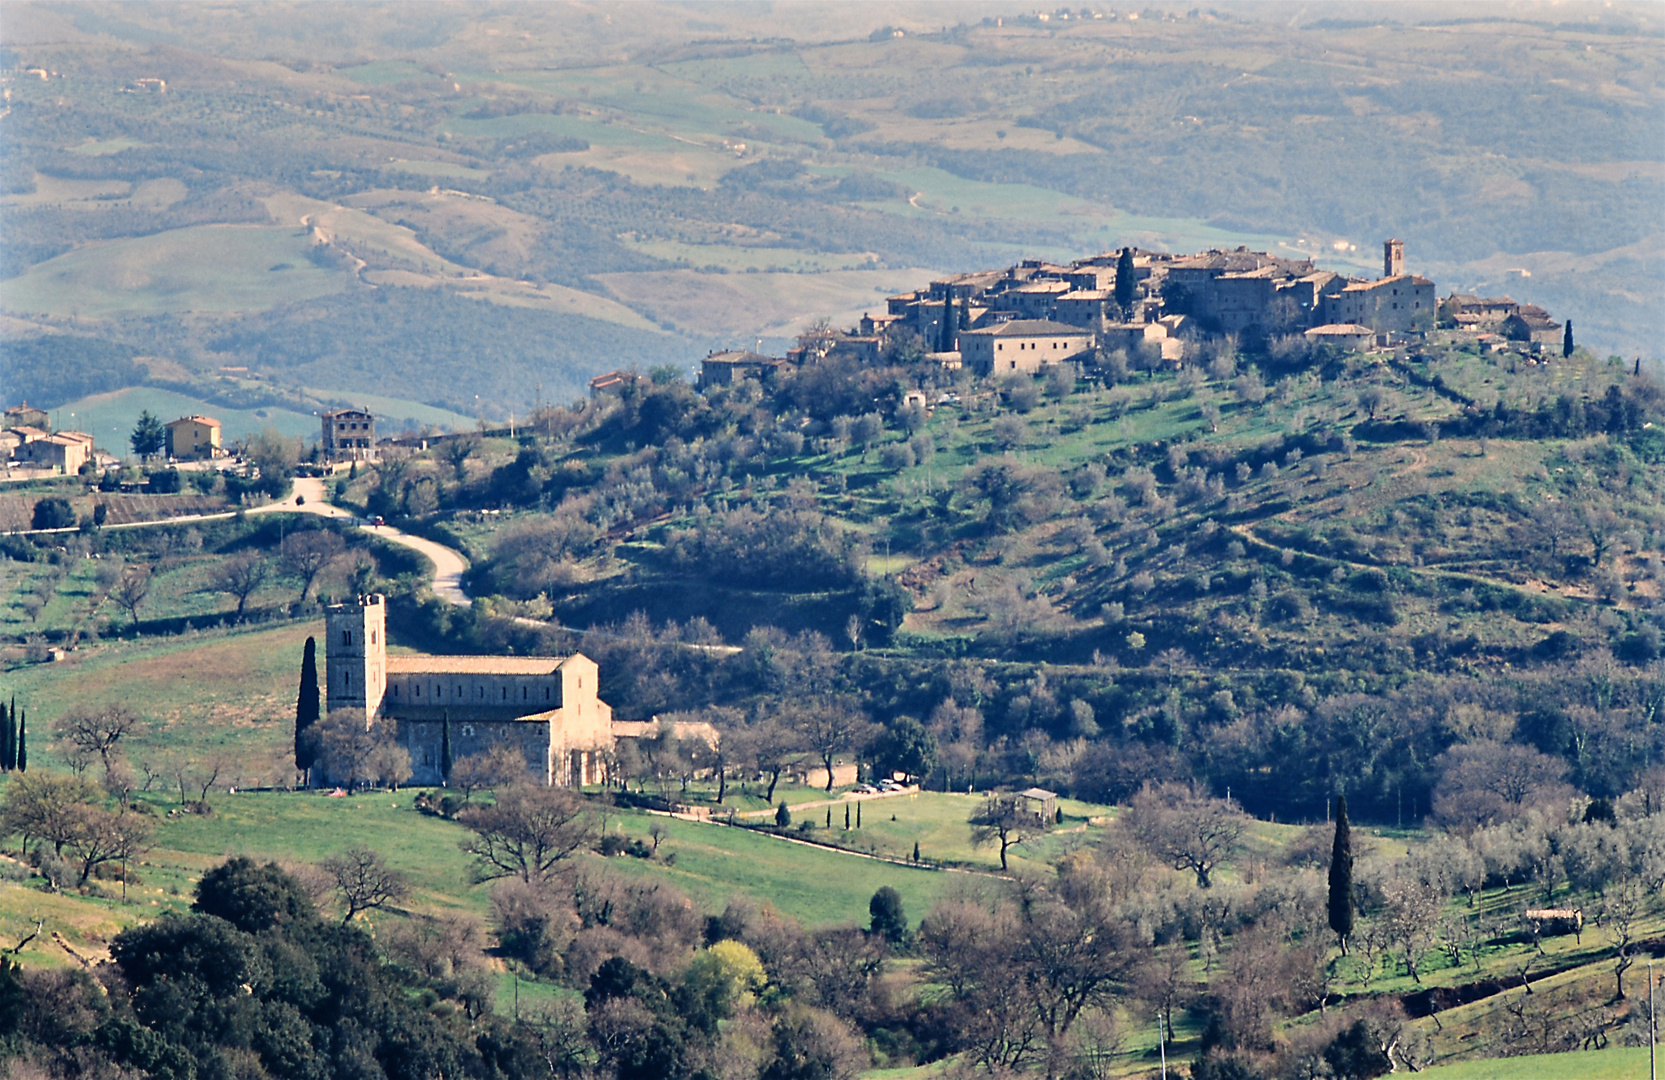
x=231, y=692
x=1614, y=1063
x=203, y=268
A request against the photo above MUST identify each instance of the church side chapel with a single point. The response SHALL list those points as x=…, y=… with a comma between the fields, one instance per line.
x=545, y=708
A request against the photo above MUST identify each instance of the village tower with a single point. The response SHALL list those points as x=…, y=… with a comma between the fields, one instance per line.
x=1393, y=258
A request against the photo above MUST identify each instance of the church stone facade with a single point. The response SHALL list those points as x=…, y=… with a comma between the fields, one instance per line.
x=546, y=708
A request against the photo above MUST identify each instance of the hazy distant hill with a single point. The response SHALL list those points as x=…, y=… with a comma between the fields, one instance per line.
x=540, y=194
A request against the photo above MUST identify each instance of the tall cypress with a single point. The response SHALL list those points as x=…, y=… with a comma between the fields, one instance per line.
x=8, y=737
x=1567, y=341
x=306, y=707
x=22, y=743
x=1127, y=280
x=1341, y=876
x=445, y=751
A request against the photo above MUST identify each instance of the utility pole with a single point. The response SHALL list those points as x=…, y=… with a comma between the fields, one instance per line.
x=1162, y=1043
x=1653, y=1030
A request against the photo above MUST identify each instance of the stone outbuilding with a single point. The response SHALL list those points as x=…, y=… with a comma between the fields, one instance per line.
x=1349, y=336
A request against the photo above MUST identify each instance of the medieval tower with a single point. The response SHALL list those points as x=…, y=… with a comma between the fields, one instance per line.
x=355, y=650
x=1393, y=258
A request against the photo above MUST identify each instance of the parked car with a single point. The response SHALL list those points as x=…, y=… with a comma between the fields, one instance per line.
x=865, y=789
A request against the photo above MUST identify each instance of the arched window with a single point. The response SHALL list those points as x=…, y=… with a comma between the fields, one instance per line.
x=346, y=637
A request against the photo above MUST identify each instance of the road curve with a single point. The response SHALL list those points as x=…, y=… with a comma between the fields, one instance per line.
x=449, y=565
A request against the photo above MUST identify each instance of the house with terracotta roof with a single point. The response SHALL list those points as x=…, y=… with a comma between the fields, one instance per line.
x=1023, y=345
x=62, y=452
x=729, y=367
x=26, y=415
x=614, y=382
x=1349, y=336
x=1532, y=324
x=193, y=438
x=1403, y=304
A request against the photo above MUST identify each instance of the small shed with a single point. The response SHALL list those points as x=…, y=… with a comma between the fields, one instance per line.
x=1557, y=921
x=1040, y=802
x=1350, y=336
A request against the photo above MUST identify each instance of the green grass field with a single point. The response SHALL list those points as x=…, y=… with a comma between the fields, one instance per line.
x=203, y=268
x=1614, y=1063
x=110, y=418
x=749, y=259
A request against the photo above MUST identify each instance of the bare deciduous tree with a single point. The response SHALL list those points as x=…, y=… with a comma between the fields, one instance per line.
x=1003, y=820
x=487, y=770
x=1186, y=828
x=132, y=589
x=308, y=554
x=103, y=836
x=528, y=832
x=828, y=727
x=242, y=576
x=365, y=882
x=45, y=807
x=352, y=753
x=96, y=731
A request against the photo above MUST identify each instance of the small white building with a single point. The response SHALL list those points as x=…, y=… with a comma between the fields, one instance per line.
x=1349, y=336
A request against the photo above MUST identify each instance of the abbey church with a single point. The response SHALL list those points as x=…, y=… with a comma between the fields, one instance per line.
x=544, y=707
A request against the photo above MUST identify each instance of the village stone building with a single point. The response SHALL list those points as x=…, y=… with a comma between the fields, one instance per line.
x=1026, y=345
x=348, y=435
x=545, y=708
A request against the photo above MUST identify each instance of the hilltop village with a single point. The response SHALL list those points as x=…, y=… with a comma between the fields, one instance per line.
x=1153, y=307
x=1132, y=309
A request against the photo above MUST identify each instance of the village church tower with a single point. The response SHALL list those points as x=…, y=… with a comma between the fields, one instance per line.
x=355, y=653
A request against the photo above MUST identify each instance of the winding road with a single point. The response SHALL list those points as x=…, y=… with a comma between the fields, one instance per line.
x=309, y=497
x=449, y=565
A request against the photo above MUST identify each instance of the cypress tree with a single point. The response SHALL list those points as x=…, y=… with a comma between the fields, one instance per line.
x=829, y=819
x=445, y=750
x=8, y=737
x=22, y=743
x=1341, y=876
x=1566, y=341
x=1127, y=281
x=306, y=706
x=846, y=815
x=858, y=815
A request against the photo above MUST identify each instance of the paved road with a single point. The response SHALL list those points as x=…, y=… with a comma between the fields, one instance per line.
x=309, y=498
x=449, y=565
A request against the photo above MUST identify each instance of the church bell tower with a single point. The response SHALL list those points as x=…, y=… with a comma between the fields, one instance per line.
x=1393, y=258
x=355, y=655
